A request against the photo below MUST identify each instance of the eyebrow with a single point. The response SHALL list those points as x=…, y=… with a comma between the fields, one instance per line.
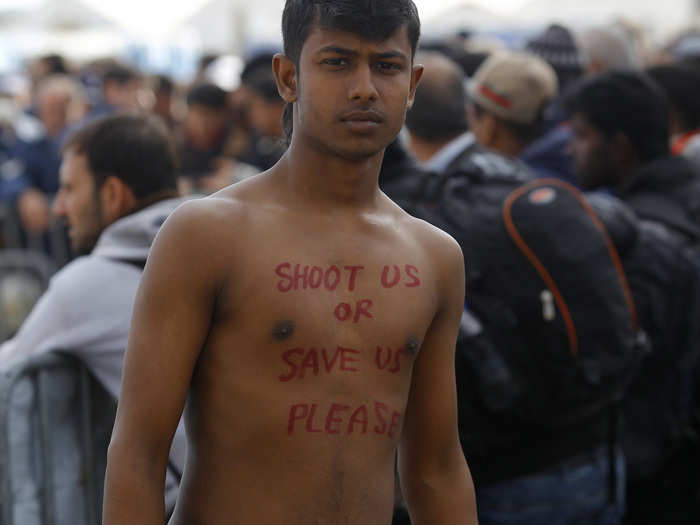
x=343, y=51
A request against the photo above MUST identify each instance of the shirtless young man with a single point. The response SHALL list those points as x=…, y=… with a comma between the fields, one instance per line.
x=307, y=320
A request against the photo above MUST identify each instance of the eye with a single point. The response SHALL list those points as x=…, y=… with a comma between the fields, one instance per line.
x=336, y=62
x=389, y=67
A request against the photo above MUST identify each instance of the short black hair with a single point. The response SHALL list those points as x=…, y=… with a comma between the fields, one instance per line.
x=56, y=64
x=371, y=19
x=625, y=102
x=119, y=73
x=135, y=149
x=163, y=84
x=208, y=95
x=439, y=109
x=680, y=82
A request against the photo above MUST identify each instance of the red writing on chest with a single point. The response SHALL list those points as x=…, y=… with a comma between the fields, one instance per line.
x=388, y=359
x=309, y=277
x=345, y=311
x=306, y=277
x=337, y=418
x=312, y=361
x=392, y=276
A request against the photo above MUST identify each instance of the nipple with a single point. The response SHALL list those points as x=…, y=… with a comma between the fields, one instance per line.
x=283, y=330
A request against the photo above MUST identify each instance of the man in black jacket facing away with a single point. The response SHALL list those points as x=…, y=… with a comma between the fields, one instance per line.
x=621, y=142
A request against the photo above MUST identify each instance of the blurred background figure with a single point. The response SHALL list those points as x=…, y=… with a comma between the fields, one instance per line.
x=263, y=109
x=621, y=144
x=60, y=103
x=204, y=132
x=680, y=83
x=437, y=126
x=509, y=96
x=557, y=46
x=46, y=66
x=119, y=91
x=607, y=48
x=164, y=99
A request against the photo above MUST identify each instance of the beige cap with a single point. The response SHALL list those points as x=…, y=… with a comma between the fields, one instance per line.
x=514, y=86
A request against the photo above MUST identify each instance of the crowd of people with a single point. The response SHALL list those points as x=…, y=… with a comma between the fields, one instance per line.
x=220, y=136
x=567, y=170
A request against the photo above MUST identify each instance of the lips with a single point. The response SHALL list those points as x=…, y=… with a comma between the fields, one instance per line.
x=362, y=116
x=362, y=122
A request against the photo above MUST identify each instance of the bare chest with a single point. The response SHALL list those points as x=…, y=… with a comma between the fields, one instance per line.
x=333, y=331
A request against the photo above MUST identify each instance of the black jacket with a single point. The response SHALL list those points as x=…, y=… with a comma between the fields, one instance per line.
x=667, y=190
x=663, y=271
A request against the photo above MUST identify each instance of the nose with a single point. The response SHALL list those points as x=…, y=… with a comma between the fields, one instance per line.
x=362, y=86
x=59, y=205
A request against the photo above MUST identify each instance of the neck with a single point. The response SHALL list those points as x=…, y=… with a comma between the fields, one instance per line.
x=626, y=174
x=140, y=204
x=424, y=150
x=323, y=179
x=158, y=196
x=508, y=145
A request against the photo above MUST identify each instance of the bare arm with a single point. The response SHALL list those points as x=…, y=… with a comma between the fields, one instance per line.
x=171, y=319
x=434, y=475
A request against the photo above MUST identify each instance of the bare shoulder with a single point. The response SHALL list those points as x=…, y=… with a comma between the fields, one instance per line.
x=440, y=246
x=203, y=233
x=206, y=219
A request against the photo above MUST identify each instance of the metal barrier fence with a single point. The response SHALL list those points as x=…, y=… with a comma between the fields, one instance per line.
x=55, y=425
x=24, y=276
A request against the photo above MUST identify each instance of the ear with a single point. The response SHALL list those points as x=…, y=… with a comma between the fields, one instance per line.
x=286, y=77
x=117, y=199
x=416, y=74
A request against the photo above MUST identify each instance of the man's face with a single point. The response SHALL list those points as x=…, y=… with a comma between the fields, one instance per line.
x=204, y=126
x=123, y=95
x=78, y=203
x=52, y=108
x=353, y=93
x=265, y=116
x=592, y=155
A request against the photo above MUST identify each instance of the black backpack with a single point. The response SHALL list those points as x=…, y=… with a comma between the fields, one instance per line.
x=662, y=411
x=550, y=333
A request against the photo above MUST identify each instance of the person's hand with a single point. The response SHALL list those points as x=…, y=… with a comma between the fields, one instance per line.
x=34, y=211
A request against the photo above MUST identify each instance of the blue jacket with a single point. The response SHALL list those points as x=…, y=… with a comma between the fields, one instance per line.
x=549, y=156
x=30, y=163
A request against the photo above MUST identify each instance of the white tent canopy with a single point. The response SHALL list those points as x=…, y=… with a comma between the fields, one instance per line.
x=658, y=19
x=228, y=24
x=83, y=29
x=69, y=27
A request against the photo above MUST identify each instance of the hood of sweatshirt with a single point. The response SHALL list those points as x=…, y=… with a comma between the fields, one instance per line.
x=130, y=237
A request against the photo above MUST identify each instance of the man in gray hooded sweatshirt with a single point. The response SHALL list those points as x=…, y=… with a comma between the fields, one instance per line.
x=117, y=186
